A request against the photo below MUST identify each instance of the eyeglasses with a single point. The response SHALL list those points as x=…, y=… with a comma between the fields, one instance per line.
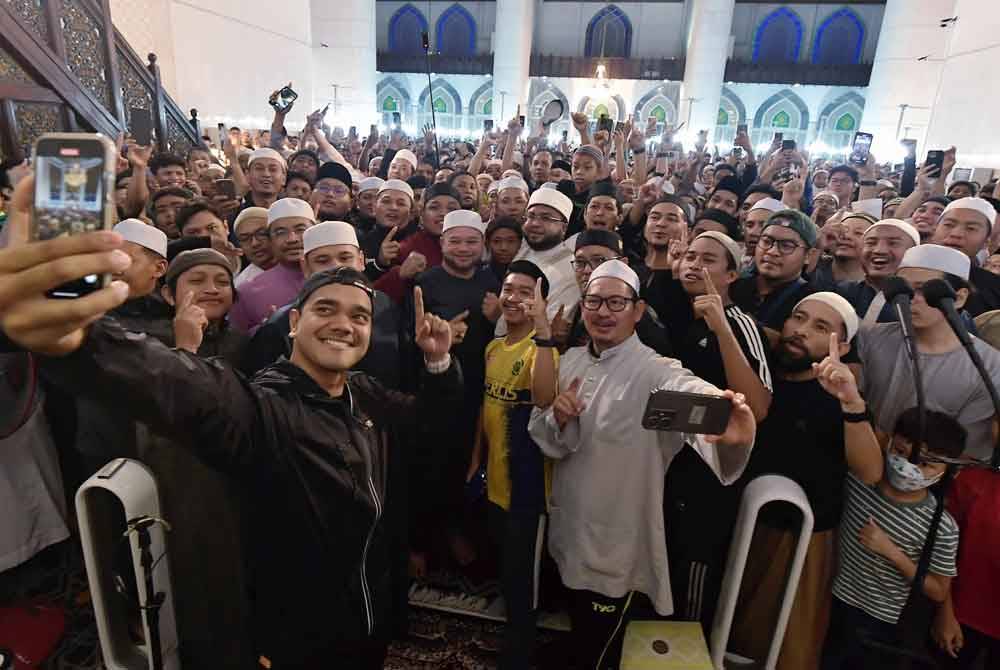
x=530, y=216
x=339, y=191
x=615, y=303
x=784, y=247
x=581, y=264
x=285, y=232
x=839, y=181
x=261, y=235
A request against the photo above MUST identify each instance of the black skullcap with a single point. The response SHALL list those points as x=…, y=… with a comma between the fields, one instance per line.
x=604, y=187
x=770, y=191
x=846, y=169
x=674, y=200
x=601, y=238
x=336, y=171
x=308, y=153
x=523, y=267
x=434, y=190
x=342, y=275
x=942, y=200
x=729, y=183
x=507, y=222
x=732, y=224
x=562, y=164
x=417, y=181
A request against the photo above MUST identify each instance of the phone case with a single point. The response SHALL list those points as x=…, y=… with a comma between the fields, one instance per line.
x=678, y=412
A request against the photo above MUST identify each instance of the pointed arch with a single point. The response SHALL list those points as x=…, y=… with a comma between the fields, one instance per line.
x=540, y=94
x=839, y=39
x=455, y=32
x=447, y=106
x=657, y=99
x=778, y=38
x=840, y=118
x=391, y=88
x=480, y=98
x=614, y=104
x=609, y=33
x=783, y=112
x=405, y=28
x=731, y=98
x=730, y=107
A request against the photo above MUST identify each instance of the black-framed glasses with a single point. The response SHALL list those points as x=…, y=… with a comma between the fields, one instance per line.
x=532, y=216
x=615, y=303
x=581, y=264
x=262, y=235
x=784, y=247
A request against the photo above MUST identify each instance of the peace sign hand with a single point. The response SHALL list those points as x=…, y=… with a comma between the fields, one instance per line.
x=710, y=308
x=432, y=333
x=836, y=378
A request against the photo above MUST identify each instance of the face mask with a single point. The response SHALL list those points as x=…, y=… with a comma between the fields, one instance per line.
x=906, y=476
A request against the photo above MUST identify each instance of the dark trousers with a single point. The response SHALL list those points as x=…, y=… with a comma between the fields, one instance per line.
x=850, y=630
x=599, y=623
x=975, y=645
x=519, y=536
x=368, y=655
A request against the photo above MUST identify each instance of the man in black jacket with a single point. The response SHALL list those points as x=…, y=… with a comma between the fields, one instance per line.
x=306, y=439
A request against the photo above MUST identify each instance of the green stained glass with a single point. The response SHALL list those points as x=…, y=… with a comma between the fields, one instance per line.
x=440, y=106
x=846, y=122
x=659, y=114
x=600, y=110
x=389, y=105
x=723, y=118
x=781, y=120
x=488, y=108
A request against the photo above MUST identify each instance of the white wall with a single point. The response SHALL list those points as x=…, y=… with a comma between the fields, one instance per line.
x=145, y=24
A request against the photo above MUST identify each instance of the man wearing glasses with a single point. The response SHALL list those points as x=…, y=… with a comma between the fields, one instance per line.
x=787, y=244
x=331, y=196
x=255, y=243
x=287, y=221
x=843, y=180
x=615, y=566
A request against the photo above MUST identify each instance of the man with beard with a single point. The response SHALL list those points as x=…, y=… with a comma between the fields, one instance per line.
x=331, y=197
x=254, y=239
x=882, y=250
x=393, y=202
x=365, y=204
x=144, y=311
x=725, y=196
x=824, y=204
x=422, y=250
x=287, y=221
x=845, y=263
x=541, y=164
x=817, y=431
x=753, y=224
x=966, y=225
x=666, y=224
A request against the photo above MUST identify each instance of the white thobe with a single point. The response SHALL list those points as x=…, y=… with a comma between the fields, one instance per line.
x=557, y=264
x=606, y=510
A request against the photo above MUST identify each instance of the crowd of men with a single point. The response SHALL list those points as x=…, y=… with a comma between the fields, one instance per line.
x=352, y=361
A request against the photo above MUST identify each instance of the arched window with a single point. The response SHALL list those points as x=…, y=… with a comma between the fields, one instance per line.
x=783, y=112
x=392, y=96
x=846, y=122
x=839, y=120
x=390, y=105
x=731, y=114
x=447, y=107
x=600, y=110
x=778, y=38
x=456, y=32
x=839, y=40
x=781, y=120
x=488, y=108
x=659, y=114
x=544, y=93
x=657, y=105
x=405, y=28
x=609, y=33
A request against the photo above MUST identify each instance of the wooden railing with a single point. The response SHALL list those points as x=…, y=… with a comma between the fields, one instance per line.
x=64, y=67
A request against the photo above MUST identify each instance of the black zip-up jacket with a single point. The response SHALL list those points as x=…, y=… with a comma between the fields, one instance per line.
x=313, y=468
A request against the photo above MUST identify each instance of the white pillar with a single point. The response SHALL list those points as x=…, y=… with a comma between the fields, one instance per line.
x=910, y=31
x=515, y=23
x=705, y=67
x=347, y=28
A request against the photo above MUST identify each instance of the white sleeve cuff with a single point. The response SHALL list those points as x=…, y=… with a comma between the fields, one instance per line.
x=438, y=368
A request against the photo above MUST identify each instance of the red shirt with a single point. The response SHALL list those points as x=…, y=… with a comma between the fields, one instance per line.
x=974, y=501
x=391, y=283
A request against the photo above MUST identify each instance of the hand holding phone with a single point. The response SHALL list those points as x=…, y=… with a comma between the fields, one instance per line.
x=282, y=99
x=693, y=413
x=935, y=160
x=860, y=148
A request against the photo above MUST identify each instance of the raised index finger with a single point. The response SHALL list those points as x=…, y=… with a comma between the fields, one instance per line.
x=834, y=348
x=418, y=305
x=392, y=233
x=709, y=284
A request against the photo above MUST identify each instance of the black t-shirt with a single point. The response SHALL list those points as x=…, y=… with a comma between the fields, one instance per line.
x=772, y=310
x=985, y=295
x=802, y=438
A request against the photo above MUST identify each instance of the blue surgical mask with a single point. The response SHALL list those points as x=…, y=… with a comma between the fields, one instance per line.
x=906, y=476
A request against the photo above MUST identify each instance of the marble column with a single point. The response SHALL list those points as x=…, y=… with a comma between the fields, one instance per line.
x=515, y=23
x=707, y=49
x=343, y=34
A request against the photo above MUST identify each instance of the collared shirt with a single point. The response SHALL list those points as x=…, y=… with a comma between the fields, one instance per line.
x=248, y=274
x=270, y=290
x=606, y=455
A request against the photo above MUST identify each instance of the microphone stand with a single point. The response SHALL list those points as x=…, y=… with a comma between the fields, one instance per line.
x=899, y=293
x=426, y=41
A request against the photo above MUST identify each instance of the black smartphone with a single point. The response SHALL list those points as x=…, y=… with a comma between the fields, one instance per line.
x=679, y=412
x=605, y=123
x=860, y=148
x=74, y=194
x=778, y=137
x=619, y=126
x=353, y=132
x=911, y=148
x=935, y=157
x=226, y=187
x=565, y=135
x=788, y=145
x=281, y=102
x=520, y=120
x=487, y=125
x=141, y=126
x=396, y=119
x=741, y=129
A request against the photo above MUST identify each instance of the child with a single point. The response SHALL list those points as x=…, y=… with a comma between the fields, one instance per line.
x=520, y=374
x=882, y=535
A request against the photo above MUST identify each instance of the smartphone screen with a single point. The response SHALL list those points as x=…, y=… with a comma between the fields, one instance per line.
x=935, y=157
x=565, y=135
x=788, y=145
x=286, y=96
x=741, y=129
x=353, y=131
x=778, y=138
x=911, y=148
x=226, y=187
x=487, y=125
x=141, y=126
x=74, y=183
x=860, y=148
x=396, y=119
x=520, y=120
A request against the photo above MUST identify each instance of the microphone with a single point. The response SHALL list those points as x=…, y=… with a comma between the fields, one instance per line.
x=940, y=295
x=898, y=292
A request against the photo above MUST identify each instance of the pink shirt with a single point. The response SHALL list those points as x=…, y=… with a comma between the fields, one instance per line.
x=273, y=288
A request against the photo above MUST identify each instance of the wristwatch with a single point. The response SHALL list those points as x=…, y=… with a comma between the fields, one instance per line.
x=857, y=417
x=867, y=182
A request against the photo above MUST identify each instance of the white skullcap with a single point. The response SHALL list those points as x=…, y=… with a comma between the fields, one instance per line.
x=667, y=186
x=406, y=155
x=216, y=170
x=727, y=242
x=493, y=161
x=770, y=204
x=143, y=234
x=493, y=187
x=900, y=224
x=289, y=207
x=549, y=184
x=266, y=152
x=839, y=305
x=554, y=199
x=869, y=206
x=976, y=204
x=828, y=194
x=518, y=158
x=513, y=182
x=937, y=257
x=329, y=233
x=886, y=183
x=396, y=185
x=370, y=184
x=617, y=270
x=247, y=214
x=463, y=218
x=507, y=174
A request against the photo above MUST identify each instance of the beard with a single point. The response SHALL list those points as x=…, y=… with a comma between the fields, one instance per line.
x=791, y=360
x=545, y=243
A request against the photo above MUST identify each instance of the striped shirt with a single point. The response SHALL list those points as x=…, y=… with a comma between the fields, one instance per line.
x=870, y=582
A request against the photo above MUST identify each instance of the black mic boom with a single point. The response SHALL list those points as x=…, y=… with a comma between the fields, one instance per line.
x=898, y=292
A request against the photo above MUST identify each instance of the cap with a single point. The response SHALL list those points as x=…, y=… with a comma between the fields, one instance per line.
x=370, y=184
x=617, y=270
x=463, y=218
x=396, y=185
x=733, y=249
x=839, y=305
x=592, y=151
x=513, y=182
x=289, y=207
x=336, y=171
x=523, y=267
x=936, y=257
x=186, y=260
x=907, y=228
x=797, y=221
x=342, y=275
x=770, y=204
x=248, y=214
x=869, y=206
x=988, y=327
x=977, y=205
x=600, y=238
x=266, y=152
x=493, y=187
x=554, y=199
x=143, y=234
x=329, y=233
x=406, y=155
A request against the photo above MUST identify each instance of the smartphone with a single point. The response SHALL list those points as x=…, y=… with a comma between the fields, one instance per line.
x=860, y=148
x=487, y=125
x=671, y=155
x=935, y=157
x=788, y=145
x=741, y=129
x=226, y=187
x=281, y=102
x=778, y=138
x=605, y=123
x=565, y=135
x=911, y=148
x=678, y=412
x=141, y=126
x=738, y=152
x=520, y=120
x=353, y=132
x=619, y=126
x=396, y=119
x=74, y=194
